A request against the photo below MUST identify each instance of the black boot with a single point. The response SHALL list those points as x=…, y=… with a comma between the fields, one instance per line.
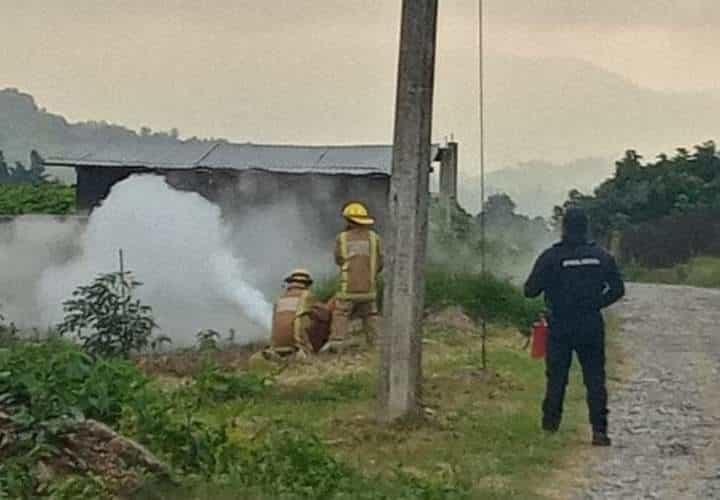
x=550, y=427
x=600, y=438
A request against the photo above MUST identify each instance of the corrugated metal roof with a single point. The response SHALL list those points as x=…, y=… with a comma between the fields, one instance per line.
x=354, y=160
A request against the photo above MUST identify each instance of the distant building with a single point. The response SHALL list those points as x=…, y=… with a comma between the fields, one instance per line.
x=239, y=177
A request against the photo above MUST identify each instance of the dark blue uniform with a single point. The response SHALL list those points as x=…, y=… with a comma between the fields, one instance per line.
x=578, y=279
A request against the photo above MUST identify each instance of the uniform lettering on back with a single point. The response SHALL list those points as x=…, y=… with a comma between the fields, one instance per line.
x=580, y=262
x=288, y=304
x=358, y=248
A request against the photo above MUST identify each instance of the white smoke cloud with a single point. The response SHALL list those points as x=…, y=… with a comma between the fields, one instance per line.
x=177, y=245
x=29, y=245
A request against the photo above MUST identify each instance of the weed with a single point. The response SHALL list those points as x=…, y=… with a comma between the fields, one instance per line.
x=88, y=487
x=351, y=387
x=213, y=385
x=481, y=296
x=699, y=271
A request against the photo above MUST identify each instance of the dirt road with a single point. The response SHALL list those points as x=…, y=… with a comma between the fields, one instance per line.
x=665, y=420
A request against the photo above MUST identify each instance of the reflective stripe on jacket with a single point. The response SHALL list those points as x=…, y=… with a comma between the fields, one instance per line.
x=358, y=253
x=291, y=317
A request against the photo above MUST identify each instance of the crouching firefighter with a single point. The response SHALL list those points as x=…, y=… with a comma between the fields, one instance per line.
x=578, y=280
x=292, y=321
x=358, y=254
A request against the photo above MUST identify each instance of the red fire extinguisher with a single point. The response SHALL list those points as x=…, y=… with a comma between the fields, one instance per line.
x=540, y=332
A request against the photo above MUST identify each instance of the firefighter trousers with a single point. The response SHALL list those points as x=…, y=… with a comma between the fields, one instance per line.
x=587, y=340
x=347, y=309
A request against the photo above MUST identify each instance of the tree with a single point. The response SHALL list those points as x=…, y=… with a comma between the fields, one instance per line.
x=37, y=168
x=107, y=319
x=4, y=170
x=499, y=206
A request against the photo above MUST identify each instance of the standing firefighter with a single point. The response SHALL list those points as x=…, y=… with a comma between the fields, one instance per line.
x=292, y=317
x=578, y=280
x=358, y=253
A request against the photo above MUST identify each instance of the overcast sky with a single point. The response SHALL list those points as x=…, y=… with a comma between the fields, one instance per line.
x=304, y=70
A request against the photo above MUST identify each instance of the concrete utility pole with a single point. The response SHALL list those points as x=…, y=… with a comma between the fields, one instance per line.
x=401, y=345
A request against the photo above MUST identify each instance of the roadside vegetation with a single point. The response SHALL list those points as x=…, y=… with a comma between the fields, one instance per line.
x=308, y=432
x=698, y=271
x=225, y=429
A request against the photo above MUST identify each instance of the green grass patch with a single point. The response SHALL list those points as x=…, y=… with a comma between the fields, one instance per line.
x=699, y=271
x=310, y=430
x=481, y=437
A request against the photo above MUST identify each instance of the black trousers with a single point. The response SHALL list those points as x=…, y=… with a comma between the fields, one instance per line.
x=586, y=337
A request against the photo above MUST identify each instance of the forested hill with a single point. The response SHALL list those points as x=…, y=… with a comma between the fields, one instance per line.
x=24, y=127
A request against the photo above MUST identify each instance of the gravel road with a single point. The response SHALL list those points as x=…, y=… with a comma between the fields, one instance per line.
x=665, y=420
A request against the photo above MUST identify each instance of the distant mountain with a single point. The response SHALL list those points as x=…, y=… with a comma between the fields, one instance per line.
x=558, y=110
x=24, y=126
x=536, y=187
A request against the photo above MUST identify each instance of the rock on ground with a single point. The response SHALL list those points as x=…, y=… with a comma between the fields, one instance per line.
x=665, y=421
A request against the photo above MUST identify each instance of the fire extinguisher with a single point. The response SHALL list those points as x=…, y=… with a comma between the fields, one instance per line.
x=540, y=332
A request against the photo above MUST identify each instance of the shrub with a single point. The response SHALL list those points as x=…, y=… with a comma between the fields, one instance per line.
x=481, y=296
x=293, y=463
x=117, y=323
x=213, y=385
x=45, y=198
x=46, y=387
x=487, y=296
x=53, y=380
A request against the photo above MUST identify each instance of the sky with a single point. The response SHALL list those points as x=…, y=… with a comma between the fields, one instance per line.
x=323, y=71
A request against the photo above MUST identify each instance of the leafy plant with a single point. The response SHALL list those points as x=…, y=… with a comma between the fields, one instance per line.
x=107, y=319
x=48, y=387
x=481, y=296
x=213, y=385
x=45, y=198
x=207, y=340
x=294, y=463
x=53, y=380
x=88, y=487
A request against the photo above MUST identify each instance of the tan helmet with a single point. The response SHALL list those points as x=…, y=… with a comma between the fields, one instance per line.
x=302, y=276
x=357, y=212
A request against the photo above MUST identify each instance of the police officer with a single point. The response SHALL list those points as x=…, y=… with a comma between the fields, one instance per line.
x=578, y=279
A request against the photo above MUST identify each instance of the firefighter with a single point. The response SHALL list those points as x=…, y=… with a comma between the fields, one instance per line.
x=292, y=318
x=358, y=254
x=578, y=279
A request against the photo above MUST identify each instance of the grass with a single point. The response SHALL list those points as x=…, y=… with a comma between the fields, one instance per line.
x=699, y=271
x=480, y=296
x=481, y=437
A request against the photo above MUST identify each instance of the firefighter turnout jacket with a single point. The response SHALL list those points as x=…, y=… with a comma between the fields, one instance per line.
x=292, y=318
x=358, y=253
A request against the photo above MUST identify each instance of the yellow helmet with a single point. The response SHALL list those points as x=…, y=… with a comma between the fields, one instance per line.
x=357, y=212
x=300, y=276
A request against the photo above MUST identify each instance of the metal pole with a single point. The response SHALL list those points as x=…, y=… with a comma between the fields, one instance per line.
x=481, y=107
x=401, y=343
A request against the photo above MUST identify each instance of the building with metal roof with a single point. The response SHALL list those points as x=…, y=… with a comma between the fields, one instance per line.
x=331, y=160
x=320, y=179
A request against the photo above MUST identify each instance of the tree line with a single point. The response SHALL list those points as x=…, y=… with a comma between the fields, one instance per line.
x=658, y=213
x=19, y=174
